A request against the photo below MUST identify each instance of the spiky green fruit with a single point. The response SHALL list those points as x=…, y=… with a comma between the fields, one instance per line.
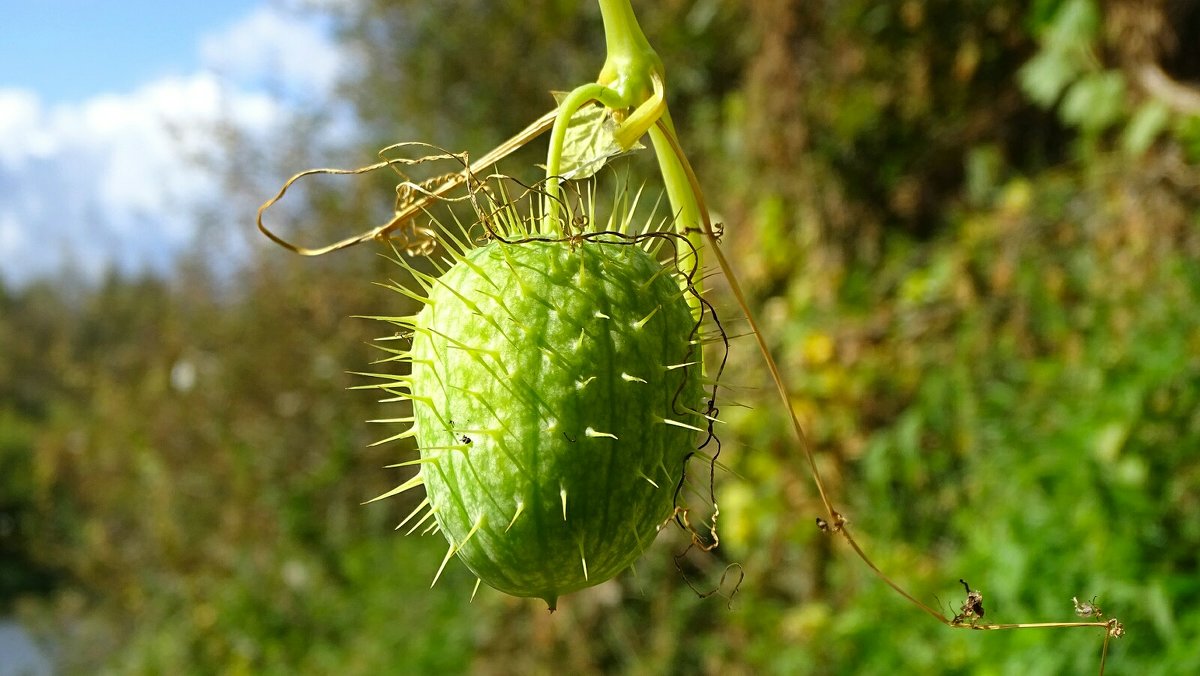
x=554, y=399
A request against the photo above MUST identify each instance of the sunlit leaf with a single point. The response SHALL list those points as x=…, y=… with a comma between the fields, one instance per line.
x=1145, y=126
x=1094, y=102
x=1045, y=76
x=589, y=143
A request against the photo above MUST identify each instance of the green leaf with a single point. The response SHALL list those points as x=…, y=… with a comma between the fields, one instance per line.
x=590, y=143
x=1148, y=122
x=1076, y=23
x=1095, y=102
x=1064, y=56
x=1044, y=77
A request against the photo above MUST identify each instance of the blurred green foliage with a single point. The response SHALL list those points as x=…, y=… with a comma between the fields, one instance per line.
x=971, y=230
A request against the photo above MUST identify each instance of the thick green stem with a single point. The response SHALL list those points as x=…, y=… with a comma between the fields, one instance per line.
x=625, y=82
x=631, y=60
x=634, y=71
x=622, y=33
x=689, y=204
x=686, y=203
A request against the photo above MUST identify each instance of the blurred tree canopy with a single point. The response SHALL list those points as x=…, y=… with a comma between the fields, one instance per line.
x=972, y=232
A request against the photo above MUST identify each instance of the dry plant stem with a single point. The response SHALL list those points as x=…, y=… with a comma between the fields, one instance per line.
x=844, y=531
x=403, y=215
x=1034, y=625
x=835, y=518
x=836, y=521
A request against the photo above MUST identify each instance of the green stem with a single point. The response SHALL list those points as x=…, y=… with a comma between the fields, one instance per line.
x=579, y=97
x=631, y=61
x=631, y=84
x=686, y=202
x=625, y=81
x=632, y=69
x=622, y=33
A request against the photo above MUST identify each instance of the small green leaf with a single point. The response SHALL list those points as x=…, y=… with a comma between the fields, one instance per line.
x=1148, y=122
x=1075, y=23
x=1095, y=102
x=589, y=143
x=1066, y=43
x=1044, y=77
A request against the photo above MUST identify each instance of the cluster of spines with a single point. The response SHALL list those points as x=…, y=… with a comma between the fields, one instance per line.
x=506, y=222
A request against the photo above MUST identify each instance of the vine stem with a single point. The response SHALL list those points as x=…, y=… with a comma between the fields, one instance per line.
x=634, y=72
x=570, y=104
x=630, y=62
x=687, y=199
x=683, y=190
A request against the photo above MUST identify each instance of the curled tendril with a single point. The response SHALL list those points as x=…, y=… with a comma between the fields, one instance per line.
x=411, y=198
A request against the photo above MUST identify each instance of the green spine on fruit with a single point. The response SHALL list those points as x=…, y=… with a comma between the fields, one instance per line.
x=555, y=396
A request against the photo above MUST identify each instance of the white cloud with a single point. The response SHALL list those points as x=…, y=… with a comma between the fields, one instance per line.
x=12, y=239
x=110, y=180
x=270, y=49
x=19, y=119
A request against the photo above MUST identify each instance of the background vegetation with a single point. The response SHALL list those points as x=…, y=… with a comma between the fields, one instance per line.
x=972, y=230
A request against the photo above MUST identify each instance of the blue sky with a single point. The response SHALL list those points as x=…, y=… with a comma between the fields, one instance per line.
x=68, y=50
x=102, y=104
